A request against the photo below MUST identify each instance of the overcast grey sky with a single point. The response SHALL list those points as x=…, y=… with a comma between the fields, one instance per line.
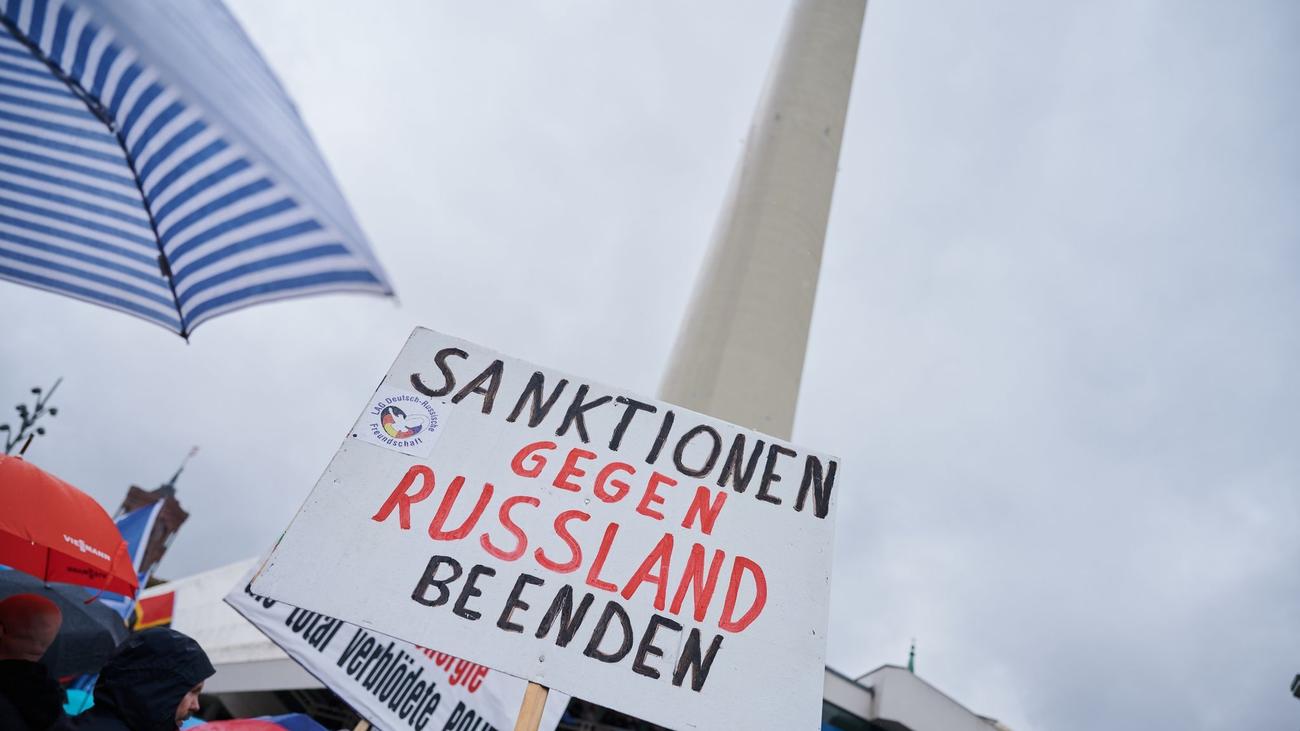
x=1062, y=273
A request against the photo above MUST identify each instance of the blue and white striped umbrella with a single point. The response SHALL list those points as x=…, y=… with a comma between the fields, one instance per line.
x=150, y=162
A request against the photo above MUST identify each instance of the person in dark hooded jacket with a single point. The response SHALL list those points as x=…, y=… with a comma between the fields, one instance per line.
x=151, y=683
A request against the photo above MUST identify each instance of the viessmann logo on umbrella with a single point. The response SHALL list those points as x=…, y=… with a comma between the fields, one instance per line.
x=86, y=547
x=400, y=420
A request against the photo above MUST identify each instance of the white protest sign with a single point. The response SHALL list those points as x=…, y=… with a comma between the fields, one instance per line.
x=394, y=685
x=620, y=549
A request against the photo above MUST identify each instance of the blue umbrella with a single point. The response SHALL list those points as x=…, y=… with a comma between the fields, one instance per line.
x=150, y=162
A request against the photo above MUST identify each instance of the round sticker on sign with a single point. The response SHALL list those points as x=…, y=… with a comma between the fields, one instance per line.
x=403, y=421
x=400, y=425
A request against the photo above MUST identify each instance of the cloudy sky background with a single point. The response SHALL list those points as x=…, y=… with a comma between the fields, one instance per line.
x=1062, y=277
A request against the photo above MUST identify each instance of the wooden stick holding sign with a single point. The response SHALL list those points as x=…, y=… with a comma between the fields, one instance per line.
x=530, y=711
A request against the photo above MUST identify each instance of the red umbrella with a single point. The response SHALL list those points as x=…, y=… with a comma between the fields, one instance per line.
x=56, y=532
x=239, y=725
x=286, y=722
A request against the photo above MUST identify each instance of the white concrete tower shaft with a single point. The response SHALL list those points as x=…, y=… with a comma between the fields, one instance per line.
x=740, y=351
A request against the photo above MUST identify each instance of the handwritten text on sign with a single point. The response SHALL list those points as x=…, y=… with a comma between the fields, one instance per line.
x=620, y=549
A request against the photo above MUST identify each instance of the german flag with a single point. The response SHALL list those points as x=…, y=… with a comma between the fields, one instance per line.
x=155, y=611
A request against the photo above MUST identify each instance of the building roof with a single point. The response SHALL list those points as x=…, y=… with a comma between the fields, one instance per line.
x=244, y=658
x=902, y=700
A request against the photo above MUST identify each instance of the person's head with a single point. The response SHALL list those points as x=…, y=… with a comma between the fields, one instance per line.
x=189, y=704
x=28, y=625
x=153, y=680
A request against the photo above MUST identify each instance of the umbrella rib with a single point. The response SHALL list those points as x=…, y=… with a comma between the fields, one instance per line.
x=97, y=108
